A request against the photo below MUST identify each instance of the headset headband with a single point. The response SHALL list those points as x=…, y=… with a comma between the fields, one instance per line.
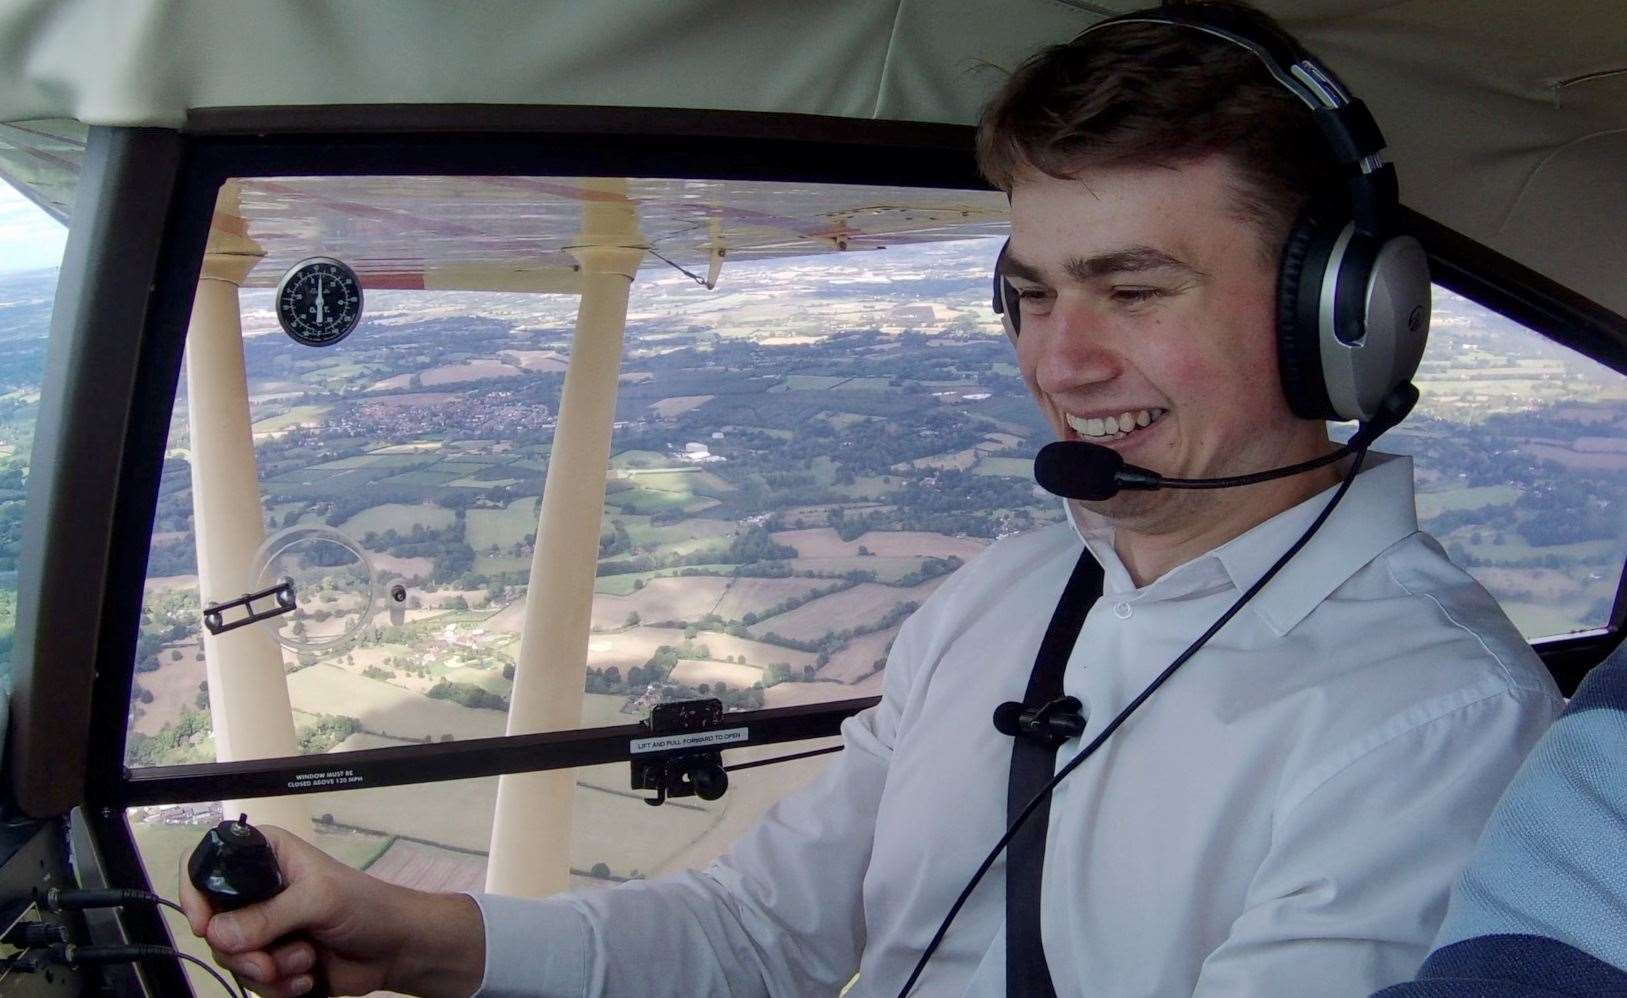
x=1348, y=127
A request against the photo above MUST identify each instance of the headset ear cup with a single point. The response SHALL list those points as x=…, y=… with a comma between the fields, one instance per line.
x=1005, y=297
x=1010, y=318
x=1299, y=286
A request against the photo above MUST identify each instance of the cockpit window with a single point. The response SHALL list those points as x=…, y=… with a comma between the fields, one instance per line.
x=808, y=429
x=799, y=455
x=811, y=430
x=31, y=244
x=1521, y=450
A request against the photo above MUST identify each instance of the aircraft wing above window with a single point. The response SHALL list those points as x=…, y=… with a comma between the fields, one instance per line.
x=496, y=233
x=1507, y=119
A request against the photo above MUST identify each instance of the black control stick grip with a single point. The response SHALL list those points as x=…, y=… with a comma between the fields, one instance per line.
x=234, y=866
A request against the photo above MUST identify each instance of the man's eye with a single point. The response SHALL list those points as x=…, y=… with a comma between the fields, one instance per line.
x=1135, y=296
x=1033, y=297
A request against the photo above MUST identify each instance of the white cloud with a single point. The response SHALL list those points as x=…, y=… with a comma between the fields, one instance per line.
x=29, y=238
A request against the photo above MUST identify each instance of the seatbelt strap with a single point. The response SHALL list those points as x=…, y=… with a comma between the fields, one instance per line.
x=1033, y=763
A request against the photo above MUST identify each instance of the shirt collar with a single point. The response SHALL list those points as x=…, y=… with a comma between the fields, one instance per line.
x=1377, y=512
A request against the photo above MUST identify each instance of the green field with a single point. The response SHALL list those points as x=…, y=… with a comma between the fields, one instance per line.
x=487, y=564
x=469, y=464
x=865, y=385
x=1536, y=620
x=1010, y=467
x=645, y=534
x=640, y=459
x=1003, y=425
x=642, y=500
x=622, y=585
x=376, y=461
x=422, y=478
x=866, y=487
x=886, y=569
x=8, y=623
x=823, y=470
x=502, y=527
x=490, y=680
x=1515, y=548
x=399, y=516
x=293, y=417
x=275, y=512
x=342, y=369
x=482, y=483
x=843, y=420
x=808, y=383
x=1432, y=504
x=686, y=481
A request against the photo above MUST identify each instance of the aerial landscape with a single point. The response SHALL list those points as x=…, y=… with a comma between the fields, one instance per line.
x=800, y=458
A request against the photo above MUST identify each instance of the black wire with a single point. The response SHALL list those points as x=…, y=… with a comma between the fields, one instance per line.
x=86, y=956
x=130, y=895
x=694, y=277
x=1045, y=791
x=782, y=758
x=212, y=972
x=1259, y=476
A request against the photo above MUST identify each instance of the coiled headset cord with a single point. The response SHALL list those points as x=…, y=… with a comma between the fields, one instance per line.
x=1062, y=774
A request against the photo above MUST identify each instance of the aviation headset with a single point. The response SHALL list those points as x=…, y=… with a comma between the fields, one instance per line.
x=1352, y=290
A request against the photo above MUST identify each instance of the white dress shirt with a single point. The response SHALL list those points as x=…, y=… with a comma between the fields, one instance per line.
x=1283, y=817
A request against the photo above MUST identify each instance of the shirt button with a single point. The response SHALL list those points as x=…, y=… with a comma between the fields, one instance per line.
x=1122, y=611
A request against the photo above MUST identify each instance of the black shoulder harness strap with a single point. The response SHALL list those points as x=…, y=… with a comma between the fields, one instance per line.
x=1033, y=763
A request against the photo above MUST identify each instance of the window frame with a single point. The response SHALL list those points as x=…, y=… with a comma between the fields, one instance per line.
x=146, y=201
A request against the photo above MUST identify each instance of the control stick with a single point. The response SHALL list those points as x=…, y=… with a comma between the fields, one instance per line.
x=234, y=866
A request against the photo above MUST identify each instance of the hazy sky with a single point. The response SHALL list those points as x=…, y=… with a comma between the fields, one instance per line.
x=29, y=238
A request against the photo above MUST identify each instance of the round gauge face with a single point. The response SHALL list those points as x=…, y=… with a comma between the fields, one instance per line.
x=319, y=301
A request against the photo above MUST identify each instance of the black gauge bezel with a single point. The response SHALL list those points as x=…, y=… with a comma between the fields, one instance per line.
x=297, y=272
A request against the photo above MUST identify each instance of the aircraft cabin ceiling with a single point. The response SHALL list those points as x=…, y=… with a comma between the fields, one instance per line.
x=1507, y=119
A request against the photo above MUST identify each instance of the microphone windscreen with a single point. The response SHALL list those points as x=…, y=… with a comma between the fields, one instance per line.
x=1074, y=469
x=1007, y=717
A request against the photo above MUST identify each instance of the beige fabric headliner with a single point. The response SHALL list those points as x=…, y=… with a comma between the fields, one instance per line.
x=1507, y=118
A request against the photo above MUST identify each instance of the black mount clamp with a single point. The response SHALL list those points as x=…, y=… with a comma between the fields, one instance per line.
x=214, y=616
x=1050, y=724
x=672, y=760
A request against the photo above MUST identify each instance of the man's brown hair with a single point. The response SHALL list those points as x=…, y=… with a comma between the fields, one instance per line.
x=1161, y=95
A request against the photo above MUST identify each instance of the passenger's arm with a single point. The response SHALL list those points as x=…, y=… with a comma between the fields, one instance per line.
x=1542, y=907
x=1355, y=883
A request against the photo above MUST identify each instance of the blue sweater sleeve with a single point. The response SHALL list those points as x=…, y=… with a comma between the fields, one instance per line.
x=1541, y=910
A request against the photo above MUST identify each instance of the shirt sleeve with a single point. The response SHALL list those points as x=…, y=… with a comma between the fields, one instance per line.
x=1355, y=883
x=780, y=913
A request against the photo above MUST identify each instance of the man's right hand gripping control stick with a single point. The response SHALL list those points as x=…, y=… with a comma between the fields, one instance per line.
x=328, y=923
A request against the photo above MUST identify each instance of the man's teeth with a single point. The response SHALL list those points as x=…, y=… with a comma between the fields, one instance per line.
x=1113, y=426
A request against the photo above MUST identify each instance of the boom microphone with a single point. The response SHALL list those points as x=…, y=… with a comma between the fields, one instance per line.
x=1074, y=469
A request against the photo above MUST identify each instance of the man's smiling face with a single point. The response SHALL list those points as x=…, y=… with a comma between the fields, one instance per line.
x=1143, y=293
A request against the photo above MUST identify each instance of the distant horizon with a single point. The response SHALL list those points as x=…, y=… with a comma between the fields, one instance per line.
x=29, y=271
x=30, y=240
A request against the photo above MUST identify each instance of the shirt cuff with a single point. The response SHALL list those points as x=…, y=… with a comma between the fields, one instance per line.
x=533, y=948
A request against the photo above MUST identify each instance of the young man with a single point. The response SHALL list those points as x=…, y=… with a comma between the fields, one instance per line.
x=1284, y=817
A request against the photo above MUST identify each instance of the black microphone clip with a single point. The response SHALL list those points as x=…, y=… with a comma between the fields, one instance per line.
x=1050, y=724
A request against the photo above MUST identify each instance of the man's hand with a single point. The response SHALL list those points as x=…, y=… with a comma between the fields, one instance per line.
x=366, y=934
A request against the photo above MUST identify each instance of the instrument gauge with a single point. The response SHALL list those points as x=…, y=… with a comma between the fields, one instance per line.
x=319, y=301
